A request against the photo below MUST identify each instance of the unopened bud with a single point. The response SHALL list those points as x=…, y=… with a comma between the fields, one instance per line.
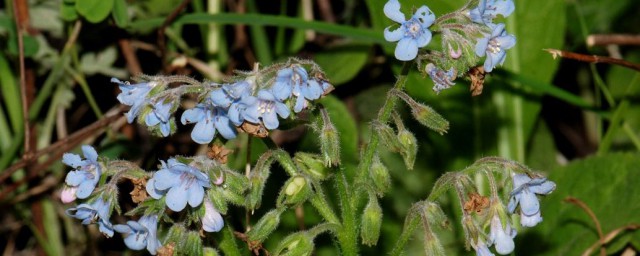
x=192, y=246
x=216, y=196
x=432, y=245
x=208, y=251
x=295, y=191
x=176, y=236
x=434, y=215
x=68, y=194
x=257, y=182
x=380, y=176
x=424, y=114
x=329, y=141
x=371, y=221
x=387, y=136
x=265, y=226
x=299, y=243
x=409, y=147
x=311, y=165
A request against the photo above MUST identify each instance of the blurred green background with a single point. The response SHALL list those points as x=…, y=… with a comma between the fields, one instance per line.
x=577, y=122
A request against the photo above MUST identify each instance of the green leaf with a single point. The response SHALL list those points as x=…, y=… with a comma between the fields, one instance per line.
x=608, y=185
x=52, y=228
x=68, y=10
x=94, y=10
x=343, y=63
x=120, y=14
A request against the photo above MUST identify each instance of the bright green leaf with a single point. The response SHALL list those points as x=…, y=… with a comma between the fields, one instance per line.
x=94, y=10
x=68, y=10
x=120, y=13
x=341, y=64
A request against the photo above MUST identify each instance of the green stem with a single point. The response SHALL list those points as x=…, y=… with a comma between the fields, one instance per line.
x=87, y=92
x=632, y=135
x=410, y=225
x=616, y=122
x=348, y=233
x=319, y=201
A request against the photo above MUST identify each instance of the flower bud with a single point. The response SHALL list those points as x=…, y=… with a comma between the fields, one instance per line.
x=295, y=191
x=311, y=165
x=380, y=176
x=409, y=147
x=434, y=215
x=424, y=114
x=329, y=141
x=208, y=251
x=212, y=220
x=265, y=226
x=432, y=245
x=68, y=194
x=371, y=221
x=300, y=243
x=175, y=236
x=217, y=199
x=257, y=183
x=387, y=136
x=192, y=245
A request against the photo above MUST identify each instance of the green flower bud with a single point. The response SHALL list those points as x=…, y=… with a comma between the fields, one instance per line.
x=380, y=176
x=329, y=141
x=265, y=226
x=176, y=236
x=300, y=243
x=284, y=159
x=434, y=215
x=371, y=221
x=218, y=201
x=254, y=198
x=295, y=191
x=192, y=246
x=208, y=251
x=432, y=245
x=424, y=114
x=387, y=136
x=409, y=147
x=312, y=165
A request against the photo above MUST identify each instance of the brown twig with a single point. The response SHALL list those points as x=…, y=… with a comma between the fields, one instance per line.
x=593, y=217
x=130, y=56
x=326, y=11
x=608, y=39
x=21, y=15
x=161, y=31
x=63, y=145
x=592, y=58
x=610, y=236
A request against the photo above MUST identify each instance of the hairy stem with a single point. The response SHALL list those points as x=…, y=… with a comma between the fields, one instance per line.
x=347, y=235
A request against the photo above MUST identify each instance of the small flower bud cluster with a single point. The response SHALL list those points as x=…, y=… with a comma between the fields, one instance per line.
x=257, y=98
x=468, y=35
x=179, y=182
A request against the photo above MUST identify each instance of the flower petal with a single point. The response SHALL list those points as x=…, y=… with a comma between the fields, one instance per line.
x=193, y=115
x=225, y=128
x=165, y=129
x=177, y=197
x=392, y=11
x=203, y=132
x=481, y=46
x=85, y=189
x=90, y=153
x=425, y=16
x=282, y=110
x=424, y=38
x=544, y=188
x=122, y=228
x=505, y=8
x=152, y=191
x=196, y=195
x=270, y=120
x=530, y=221
x=506, y=42
x=407, y=49
x=135, y=241
x=164, y=179
x=72, y=160
x=395, y=35
x=529, y=204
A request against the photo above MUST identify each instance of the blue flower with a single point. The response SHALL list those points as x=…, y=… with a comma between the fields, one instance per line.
x=311, y=90
x=235, y=98
x=501, y=237
x=182, y=183
x=487, y=10
x=160, y=115
x=86, y=175
x=412, y=34
x=212, y=220
x=134, y=96
x=524, y=193
x=441, y=80
x=208, y=119
x=494, y=47
x=140, y=234
x=266, y=108
x=482, y=249
x=287, y=79
x=98, y=211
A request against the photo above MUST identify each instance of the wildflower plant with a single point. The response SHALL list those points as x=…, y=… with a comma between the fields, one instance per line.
x=189, y=196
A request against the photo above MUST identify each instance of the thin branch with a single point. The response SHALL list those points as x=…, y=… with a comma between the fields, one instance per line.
x=609, y=39
x=63, y=145
x=20, y=26
x=592, y=58
x=610, y=236
x=130, y=56
x=161, y=31
x=593, y=217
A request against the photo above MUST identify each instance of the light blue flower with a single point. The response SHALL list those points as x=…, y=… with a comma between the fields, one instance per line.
x=160, y=115
x=412, y=34
x=266, y=108
x=482, y=249
x=134, y=95
x=441, y=80
x=86, y=175
x=212, y=220
x=182, y=184
x=524, y=193
x=501, y=237
x=98, y=211
x=287, y=79
x=208, y=119
x=495, y=46
x=487, y=10
x=311, y=90
x=140, y=234
x=234, y=97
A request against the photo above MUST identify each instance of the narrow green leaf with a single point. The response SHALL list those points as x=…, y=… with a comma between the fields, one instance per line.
x=259, y=38
x=120, y=14
x=52, y=228
x=94, y=10
x=360, y=34
x=5, y=131
x=11, y=95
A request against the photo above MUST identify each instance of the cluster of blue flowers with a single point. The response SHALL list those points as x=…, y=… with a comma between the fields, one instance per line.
x=523, y=194
x=228, y=105
x=414, y=33
x=179, y=183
